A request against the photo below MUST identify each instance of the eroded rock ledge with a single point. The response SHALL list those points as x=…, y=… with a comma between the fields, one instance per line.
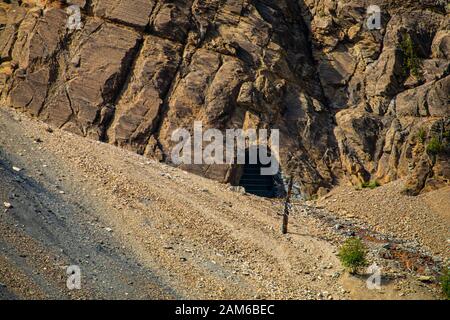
x=344, y=98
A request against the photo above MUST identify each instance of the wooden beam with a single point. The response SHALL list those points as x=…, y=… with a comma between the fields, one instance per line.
x=284, y=228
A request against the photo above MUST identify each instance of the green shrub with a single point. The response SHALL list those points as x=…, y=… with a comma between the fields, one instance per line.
x=353, y=255
x=445, y=283
x=434, y=146
x=371, y=184
x=422, y=135
x=411, y=62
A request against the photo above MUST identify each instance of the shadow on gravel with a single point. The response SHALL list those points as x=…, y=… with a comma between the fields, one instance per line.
x=5, y=294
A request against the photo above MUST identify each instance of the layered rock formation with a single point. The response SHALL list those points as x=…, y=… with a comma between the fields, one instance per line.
x=351, y=104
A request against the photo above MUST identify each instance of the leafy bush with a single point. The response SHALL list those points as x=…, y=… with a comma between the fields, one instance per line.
x=445, y=282
x=435, y=146
x=422, y=135
x=371, y=184
x=411, y=62
x=353, y=255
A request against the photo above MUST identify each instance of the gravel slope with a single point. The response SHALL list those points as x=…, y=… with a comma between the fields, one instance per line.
x=140, y=229
x=425, y=218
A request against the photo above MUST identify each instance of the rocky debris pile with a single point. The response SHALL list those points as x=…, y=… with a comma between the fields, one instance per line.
x=351, y=104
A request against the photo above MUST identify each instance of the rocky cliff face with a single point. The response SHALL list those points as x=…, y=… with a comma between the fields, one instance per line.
x=351, y=104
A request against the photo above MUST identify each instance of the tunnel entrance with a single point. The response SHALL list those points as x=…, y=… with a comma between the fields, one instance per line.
x=256, y=183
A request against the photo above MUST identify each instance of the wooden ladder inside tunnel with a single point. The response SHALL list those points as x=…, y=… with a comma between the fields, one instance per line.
x=256, y=183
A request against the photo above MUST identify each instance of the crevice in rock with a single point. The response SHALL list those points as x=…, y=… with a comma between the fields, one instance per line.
x=164, y=107
x=89, y=8
x=165, y=96
x=72, y=117
x=123, y=80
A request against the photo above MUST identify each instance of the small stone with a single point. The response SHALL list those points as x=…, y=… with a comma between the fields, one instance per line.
x=17, y=169
x=7, y=205
x=238, y=189
x=108, y=229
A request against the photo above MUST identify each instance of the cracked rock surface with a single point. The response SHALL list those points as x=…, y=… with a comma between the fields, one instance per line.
x=349, y=105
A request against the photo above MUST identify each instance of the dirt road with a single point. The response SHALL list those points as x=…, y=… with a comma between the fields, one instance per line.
x=141, y=229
